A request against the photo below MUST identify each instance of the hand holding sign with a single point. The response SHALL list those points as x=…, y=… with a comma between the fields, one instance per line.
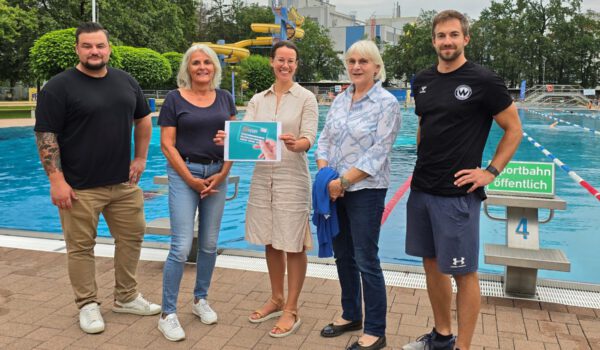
x=268, y=149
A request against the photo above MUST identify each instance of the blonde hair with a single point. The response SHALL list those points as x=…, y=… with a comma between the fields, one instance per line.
x=367, y=49
x=183, y=76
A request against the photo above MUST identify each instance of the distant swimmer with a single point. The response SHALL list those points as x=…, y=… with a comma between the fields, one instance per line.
x=553, y=124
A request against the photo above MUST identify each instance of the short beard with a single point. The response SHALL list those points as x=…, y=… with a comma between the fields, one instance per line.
x=94, y=67
x=451, y=58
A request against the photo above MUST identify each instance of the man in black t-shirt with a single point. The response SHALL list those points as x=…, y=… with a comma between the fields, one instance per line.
x=456, y=102
x=84, y=118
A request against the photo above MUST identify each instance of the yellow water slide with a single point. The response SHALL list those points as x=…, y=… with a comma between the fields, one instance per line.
x=272, y=28
x=236, y=52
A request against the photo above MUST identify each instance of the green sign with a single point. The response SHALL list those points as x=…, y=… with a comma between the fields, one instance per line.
x=528, y=179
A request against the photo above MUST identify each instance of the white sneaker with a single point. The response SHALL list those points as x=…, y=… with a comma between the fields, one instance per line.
x=138, y=306
x=170, y=328
x=90, y=319
x=203, y=310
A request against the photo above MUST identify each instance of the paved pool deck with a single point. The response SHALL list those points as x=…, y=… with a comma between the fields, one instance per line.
x=37, y=312
x=8, y=123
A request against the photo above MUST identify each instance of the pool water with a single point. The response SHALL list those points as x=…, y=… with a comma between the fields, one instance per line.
x=25, y=202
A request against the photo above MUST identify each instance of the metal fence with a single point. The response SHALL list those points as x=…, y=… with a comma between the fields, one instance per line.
x=155, y=93
x=17, y=93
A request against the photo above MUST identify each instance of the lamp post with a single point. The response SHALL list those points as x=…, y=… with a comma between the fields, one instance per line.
x=93, y=10
x=543, y=70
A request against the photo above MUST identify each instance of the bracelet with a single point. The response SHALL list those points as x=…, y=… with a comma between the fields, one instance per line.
x=345, y=183
x=493, y=170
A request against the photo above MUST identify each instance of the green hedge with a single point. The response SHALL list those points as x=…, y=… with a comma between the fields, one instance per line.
x=174, y=59
x=257, y=71
x=147, y=66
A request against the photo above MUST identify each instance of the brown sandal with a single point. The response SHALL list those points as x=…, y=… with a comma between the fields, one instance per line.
x=263, y=318
x=280, y=332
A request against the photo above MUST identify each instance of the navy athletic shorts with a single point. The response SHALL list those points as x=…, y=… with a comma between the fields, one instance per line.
x=446, y=228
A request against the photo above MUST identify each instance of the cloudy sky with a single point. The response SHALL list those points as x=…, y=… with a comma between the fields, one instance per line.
x=383, y=8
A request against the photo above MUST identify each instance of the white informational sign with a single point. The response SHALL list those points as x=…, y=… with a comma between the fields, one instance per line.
x=337, y=88
x=589, y=92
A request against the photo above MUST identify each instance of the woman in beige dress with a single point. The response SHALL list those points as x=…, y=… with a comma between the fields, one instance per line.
x=278, y=208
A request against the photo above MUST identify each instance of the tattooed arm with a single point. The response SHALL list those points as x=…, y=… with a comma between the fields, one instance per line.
x=61, y=193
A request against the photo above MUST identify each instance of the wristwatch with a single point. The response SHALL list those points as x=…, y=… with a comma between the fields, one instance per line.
x=493, y=170
x=345, y=183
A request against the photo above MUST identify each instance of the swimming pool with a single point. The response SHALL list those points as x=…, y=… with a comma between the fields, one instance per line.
x=25, y=202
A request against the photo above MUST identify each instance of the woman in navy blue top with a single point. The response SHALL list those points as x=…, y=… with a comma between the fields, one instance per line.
x=189, y=118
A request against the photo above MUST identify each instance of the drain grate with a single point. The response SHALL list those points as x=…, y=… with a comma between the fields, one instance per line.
x=573, y=294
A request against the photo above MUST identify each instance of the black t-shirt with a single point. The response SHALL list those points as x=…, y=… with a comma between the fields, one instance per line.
x=456, y=111
x=197, y=126
x=93, y=119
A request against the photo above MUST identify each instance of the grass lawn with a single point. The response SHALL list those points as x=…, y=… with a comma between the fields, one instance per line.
x=14, y=113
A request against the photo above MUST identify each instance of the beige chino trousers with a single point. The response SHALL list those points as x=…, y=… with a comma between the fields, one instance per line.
x=122, y=206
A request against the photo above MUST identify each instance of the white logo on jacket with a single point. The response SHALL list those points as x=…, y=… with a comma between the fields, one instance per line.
x=423, y=89
x=463, y=92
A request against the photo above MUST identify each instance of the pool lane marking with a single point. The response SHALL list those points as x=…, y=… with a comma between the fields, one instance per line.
x=596, y=132
x=389, y=207
x=572, y=174
x=590, y=115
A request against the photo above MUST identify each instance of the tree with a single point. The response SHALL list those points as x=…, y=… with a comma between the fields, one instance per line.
x=163, y=25
x=318, y=60
x=53, y=53
x=414, y=51
x=157, y=24
x=245, y=15
x=17, y=32
x=257, y=71
x=540, y=41
x=147, y=66
x=174, y=59
x=230, y=21
x=493, y=41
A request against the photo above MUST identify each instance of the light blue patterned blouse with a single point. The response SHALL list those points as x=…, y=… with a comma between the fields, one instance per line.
x=361, y=135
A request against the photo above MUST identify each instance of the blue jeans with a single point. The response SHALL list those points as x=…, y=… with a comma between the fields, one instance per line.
x=355, y=250
x=184, y=202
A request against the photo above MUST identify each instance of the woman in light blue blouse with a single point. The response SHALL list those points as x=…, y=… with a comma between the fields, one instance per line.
x=361, y=127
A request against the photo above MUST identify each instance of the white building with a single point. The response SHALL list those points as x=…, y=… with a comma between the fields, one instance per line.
x=322, y=12
x=346, y=29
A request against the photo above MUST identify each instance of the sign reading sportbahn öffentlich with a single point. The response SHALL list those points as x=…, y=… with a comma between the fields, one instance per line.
x=531, y=179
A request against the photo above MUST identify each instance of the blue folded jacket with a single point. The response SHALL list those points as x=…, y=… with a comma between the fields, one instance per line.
x=325, y=214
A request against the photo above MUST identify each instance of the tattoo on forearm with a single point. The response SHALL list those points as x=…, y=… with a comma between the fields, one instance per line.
x=49, y=151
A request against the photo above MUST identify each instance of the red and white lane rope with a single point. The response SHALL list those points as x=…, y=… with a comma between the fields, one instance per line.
x=573, y=175
x=389, y=207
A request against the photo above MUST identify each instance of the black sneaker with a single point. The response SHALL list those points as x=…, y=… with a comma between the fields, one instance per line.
x=430, y=341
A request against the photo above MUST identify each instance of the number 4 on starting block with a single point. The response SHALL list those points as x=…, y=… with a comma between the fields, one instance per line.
x=522, y=228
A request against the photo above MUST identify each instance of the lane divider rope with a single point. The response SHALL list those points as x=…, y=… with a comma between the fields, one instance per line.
x=549, y=116
x=592, y=115
x=572, y=174
x=389, y=207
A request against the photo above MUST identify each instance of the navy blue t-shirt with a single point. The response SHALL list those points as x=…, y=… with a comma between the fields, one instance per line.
x=197, y=126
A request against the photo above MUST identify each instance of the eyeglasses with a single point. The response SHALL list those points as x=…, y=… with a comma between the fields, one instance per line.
x=282, y=61
x=361, y=62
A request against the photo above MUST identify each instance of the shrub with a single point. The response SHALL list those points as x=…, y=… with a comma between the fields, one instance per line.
x=147, y=66
x=257, y=71
x=174, y=59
